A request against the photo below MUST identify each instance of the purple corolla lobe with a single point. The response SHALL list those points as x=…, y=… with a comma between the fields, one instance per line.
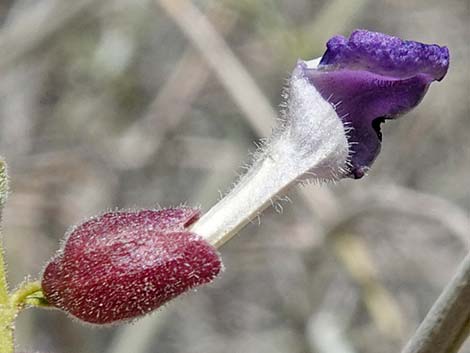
x=371, y=77
x=386, y=55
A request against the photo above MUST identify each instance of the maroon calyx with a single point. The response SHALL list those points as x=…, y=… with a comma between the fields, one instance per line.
x=122, y=265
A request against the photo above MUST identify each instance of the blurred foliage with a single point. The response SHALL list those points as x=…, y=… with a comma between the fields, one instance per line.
x=100, y=110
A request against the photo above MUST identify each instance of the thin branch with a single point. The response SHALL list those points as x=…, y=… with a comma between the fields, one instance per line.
x=231, y=73
x=173, y=100
x=413, y=202
x=405, y=201
x=447, y=324
x=384, y=310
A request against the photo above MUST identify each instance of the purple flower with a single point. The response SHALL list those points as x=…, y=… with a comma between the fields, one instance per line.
x=122, y=265
x=369, y=78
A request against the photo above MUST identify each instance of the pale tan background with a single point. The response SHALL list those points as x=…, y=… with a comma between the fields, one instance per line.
x=106, y=104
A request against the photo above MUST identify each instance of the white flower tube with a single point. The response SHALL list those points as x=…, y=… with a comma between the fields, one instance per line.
x=310, y=143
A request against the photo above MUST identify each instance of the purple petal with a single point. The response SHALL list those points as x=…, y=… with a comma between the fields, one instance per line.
x=363, y=100
x=372, y=77
x=386, y=55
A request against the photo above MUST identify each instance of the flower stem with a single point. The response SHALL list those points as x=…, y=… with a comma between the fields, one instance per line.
x=29, y=293
x=11, y=305
x=22, y=296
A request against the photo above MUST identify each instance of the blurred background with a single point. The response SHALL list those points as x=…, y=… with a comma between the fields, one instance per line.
x=138, y=103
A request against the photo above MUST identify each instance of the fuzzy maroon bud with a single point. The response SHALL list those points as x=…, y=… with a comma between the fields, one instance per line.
x=124, y=264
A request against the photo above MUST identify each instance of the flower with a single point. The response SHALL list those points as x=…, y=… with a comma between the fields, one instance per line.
x=124, y=264
x=330, y=127
x=121, y=265
x=371, y=77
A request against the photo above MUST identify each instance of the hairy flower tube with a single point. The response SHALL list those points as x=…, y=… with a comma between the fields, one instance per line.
x=123, y=264
x=330, y=128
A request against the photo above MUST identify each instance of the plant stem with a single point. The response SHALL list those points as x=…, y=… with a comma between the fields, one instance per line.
x=19, y=298
x=3, y=196
x=3, y=282
x=10, y=309
x=7, y=315
x=447, y=325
